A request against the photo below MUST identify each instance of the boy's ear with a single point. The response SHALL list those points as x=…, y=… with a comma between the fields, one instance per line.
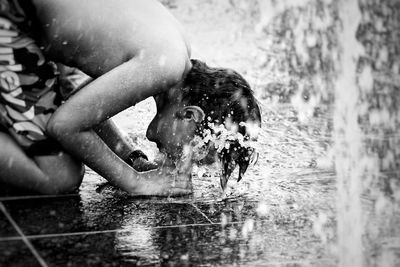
x=193, y=113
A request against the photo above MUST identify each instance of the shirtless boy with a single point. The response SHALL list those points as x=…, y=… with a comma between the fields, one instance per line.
x=133, y=49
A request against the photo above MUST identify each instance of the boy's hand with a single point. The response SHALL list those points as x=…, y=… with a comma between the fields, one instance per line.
x=139, y=161
x=142, y=165
x=163, y=181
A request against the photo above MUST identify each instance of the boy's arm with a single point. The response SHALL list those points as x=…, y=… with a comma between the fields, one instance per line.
x=72, y=124
x=119, y=143
x=71, y=81
x=114, y=138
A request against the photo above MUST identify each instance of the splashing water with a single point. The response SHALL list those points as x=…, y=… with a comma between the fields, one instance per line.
x=345, y=51
x=222, y=138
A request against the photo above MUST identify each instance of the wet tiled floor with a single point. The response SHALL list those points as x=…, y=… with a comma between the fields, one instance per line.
x=269, y=220
x=109, y=228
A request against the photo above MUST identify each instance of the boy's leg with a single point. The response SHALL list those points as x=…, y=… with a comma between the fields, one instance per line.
x=49, y=174
x=28, y=97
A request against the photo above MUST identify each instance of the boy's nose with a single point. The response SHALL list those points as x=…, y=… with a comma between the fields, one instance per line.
x=150, y=134
x=152, y=137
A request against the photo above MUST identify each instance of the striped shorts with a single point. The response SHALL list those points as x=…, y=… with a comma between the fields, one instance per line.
x=28, y=87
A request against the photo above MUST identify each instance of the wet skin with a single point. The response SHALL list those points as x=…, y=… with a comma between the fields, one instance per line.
x=98, y=37
x=168, y=130
x=133, y=49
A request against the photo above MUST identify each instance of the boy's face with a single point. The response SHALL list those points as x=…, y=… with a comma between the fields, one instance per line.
x=170, y=129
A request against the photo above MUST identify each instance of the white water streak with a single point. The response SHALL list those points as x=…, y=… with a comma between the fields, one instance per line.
x=348, y=146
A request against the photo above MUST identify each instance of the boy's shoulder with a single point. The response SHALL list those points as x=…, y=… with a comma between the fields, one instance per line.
x=116, y=30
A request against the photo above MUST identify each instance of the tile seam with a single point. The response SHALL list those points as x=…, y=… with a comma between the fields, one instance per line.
x=202, y=213
x=117, y=231
x=36, y=197
x=23, y=237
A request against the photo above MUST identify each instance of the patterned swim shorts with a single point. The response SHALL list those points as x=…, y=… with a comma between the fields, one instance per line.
x=28, y=86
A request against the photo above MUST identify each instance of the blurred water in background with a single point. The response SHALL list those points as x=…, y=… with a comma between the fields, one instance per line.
x=347, y=53
x=340, y=59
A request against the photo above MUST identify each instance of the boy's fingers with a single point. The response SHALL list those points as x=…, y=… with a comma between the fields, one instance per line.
x=142, y=165
x=179, y=192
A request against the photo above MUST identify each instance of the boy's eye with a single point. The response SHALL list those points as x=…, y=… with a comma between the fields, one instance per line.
x=183, y=115
x=178, y=115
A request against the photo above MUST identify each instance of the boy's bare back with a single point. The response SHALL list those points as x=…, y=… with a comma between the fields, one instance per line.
x=96, y=36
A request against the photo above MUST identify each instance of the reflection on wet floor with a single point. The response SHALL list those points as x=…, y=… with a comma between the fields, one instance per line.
x=288, y=221
x=113, y=229
x=281, y=213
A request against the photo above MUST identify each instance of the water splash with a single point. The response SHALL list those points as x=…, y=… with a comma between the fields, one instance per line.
x=320, y=51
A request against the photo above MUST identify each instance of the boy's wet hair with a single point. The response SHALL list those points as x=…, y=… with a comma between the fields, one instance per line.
x=225, y=96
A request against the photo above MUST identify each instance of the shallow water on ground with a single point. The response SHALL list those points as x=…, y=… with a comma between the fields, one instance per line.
x=282, y=212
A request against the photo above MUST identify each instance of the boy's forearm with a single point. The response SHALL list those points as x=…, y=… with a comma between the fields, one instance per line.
x=88, y=147
x=114, y=138
x=91, y=150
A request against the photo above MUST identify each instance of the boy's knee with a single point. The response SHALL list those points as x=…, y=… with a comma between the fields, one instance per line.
x=5, y=141
x=67, y=181
x=73, y=180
